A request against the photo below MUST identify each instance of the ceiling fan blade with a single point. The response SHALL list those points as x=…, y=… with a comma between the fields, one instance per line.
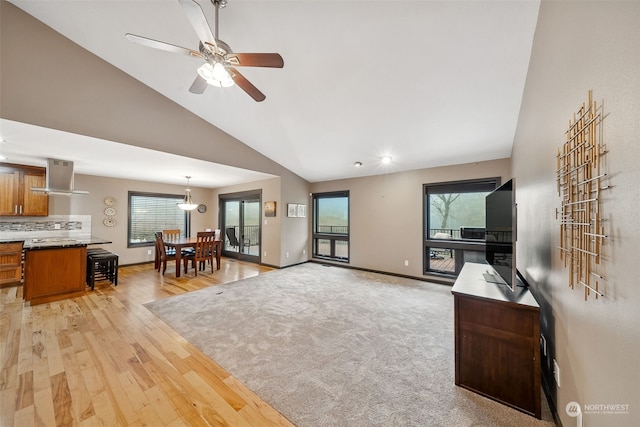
x=144, y=41
x=198, y=86
x=198, y=20
x=246, y=85
x=256, y=59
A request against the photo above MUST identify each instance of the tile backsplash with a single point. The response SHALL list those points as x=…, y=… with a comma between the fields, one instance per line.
x=72, y=226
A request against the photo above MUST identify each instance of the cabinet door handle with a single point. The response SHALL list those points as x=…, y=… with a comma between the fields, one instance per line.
x=20, y=209
x=15, y=209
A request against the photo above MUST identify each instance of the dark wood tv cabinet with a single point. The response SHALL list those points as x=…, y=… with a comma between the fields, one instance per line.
x=497, y=340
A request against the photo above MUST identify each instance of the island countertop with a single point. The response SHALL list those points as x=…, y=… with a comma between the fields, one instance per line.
x=58, y=242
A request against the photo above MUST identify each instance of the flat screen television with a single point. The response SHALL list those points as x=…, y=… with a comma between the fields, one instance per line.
x=500, y=235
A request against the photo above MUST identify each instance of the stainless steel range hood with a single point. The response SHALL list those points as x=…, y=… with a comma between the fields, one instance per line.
x=59, y=178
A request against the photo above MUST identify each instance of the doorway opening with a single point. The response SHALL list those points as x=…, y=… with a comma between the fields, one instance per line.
x=241, y=228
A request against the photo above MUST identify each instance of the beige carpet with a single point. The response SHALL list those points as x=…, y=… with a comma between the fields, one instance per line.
x=329, y=346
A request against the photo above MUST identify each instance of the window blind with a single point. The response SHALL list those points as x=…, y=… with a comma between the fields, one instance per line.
x=149, y=213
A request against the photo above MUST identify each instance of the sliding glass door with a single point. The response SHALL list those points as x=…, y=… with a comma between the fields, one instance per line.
x=241, y=225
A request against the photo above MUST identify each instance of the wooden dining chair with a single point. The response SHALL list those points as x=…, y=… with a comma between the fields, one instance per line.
x=164, y=256
x=156, y=260
x=173, y=234
x=204, y=251
x=158, y=243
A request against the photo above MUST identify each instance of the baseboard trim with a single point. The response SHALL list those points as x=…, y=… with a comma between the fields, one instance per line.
x=430, y=279
x=426, y=278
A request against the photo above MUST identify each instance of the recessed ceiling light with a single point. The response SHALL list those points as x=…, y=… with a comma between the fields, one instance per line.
x=357, y=164
x=385, y=160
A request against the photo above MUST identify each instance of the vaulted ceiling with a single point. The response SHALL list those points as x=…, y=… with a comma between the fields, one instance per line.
x=429, y=83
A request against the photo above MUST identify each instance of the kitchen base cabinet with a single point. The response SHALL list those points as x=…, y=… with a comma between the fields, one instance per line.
x=10, y=263
x=54, y=274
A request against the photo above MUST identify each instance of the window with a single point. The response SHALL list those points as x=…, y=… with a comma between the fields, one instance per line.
x=331, y=226
x=149, y=213
x=454, y=218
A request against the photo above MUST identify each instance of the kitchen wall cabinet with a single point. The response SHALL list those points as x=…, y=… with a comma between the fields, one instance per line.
x=16, y=197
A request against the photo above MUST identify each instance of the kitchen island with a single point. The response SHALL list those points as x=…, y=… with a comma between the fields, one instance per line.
x=53, y=273
x=55, y=268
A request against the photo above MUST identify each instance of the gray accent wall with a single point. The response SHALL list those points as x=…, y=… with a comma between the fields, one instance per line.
x=93, y=205
x=386, y=213
x=77, y=92
x=580, y=46
x=80, y=93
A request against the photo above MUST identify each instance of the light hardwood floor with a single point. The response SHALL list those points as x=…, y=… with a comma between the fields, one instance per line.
x=105, y=360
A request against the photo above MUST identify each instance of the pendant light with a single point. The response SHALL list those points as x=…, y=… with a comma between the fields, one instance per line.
x=187, y=204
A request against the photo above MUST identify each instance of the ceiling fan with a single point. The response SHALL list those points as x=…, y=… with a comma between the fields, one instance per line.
x=220, y=61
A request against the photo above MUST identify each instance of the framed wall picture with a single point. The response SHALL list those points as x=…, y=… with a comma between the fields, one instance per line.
x=292, y=210
x=302, y=211
x=269, y=208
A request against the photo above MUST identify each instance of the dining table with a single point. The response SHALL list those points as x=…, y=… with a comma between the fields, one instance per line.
x=190, y=242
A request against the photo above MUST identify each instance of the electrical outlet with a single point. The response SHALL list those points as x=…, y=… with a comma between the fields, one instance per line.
x=149, y=252
x=265, y=253
x=406, y=263
x=56, y=226
x=287, y=254
x=304, y=252
x=556, y=372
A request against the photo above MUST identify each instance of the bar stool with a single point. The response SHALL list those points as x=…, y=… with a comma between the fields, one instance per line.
x=92, y=251
x=101, y=265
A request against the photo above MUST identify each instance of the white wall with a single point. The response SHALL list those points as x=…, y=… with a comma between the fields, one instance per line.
x=580, y=46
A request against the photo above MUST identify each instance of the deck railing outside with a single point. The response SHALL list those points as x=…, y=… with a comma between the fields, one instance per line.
x=249, y=237
x=450, y=233
x=334, y=229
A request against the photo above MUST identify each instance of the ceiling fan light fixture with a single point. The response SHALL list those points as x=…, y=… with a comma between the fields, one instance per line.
x=216, y=75
x=219, y=73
